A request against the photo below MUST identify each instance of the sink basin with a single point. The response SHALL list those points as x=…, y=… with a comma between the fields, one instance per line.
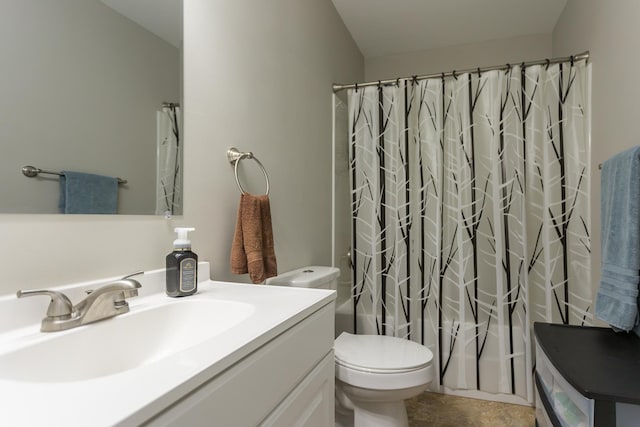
x=115, y=345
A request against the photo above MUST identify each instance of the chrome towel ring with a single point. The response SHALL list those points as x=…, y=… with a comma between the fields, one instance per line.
x=234, y=156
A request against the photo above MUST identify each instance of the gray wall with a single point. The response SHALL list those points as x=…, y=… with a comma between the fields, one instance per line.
x=258, y=76
x=610, y=31
x=80, y=88
x=459, y=57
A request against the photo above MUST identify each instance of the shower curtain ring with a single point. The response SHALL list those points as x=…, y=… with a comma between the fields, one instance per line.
x=548, y=63
x=479, y=74
x=572, y=60
x=356, y=87
x=454, y=75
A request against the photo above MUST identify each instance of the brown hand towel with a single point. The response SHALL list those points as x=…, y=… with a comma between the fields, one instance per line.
x=252, y=250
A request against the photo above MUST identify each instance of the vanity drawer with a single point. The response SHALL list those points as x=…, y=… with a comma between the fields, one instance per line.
x=312, y=403
x=246, y=393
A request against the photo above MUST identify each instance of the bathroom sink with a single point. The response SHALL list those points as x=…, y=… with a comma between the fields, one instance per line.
x=141, y=337
x=144, y=361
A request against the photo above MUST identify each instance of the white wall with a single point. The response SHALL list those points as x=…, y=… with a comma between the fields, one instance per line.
x=257, y=75
x=459, y=57
x=609, y=30
x=80, y=88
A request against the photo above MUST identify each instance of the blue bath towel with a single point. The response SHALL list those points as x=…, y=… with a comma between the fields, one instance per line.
x=85, y=193
x=617, y=299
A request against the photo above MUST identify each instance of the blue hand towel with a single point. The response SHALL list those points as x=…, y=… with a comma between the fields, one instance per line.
x=617, y=299
x=85, y=193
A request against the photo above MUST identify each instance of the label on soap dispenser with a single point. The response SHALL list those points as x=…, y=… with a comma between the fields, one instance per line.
x=188, y=275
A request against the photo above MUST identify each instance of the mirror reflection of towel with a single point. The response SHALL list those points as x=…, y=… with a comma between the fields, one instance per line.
x=85, y=193
x=253, y=250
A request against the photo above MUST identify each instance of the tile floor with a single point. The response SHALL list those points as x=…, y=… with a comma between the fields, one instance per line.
x=441, y=410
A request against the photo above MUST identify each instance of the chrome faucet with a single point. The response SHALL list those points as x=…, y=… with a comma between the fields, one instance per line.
x=106, y=301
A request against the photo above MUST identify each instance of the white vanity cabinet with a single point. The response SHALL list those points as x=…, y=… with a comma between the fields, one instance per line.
x=289, y=381
x=231, y=355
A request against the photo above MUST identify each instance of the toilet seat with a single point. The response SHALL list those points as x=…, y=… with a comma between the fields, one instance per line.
x=381, y=362
x=372, y=370
x=380, y=353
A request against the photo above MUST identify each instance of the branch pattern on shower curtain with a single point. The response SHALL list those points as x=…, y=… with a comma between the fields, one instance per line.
x=169, y=162
x=470, y=216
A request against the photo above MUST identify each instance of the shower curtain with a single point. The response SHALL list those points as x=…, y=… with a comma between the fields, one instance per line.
x=470, y=216
x=169, y=162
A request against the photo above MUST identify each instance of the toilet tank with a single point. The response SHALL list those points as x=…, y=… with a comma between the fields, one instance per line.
x=308, y=277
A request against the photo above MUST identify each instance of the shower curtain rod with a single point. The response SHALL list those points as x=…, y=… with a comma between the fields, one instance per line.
x=579, y=57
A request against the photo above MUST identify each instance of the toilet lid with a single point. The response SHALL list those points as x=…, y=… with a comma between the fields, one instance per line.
x=380, y=353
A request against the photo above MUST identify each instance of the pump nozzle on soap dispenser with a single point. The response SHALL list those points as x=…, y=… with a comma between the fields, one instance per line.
x=183, y=237
x=182, y=266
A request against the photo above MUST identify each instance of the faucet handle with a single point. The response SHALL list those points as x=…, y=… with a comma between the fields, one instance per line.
x=130, y=286
x=137, y=273
x=60, y=306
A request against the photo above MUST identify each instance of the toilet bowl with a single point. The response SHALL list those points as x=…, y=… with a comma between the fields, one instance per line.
x=375, y=374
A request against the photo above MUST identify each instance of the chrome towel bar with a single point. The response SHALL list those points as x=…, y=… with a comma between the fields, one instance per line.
x=32, y=171
x=234, y=156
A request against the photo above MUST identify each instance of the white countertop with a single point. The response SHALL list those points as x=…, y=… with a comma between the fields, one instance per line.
x=130, y=397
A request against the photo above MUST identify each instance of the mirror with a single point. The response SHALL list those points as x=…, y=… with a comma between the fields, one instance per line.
x=82, y=90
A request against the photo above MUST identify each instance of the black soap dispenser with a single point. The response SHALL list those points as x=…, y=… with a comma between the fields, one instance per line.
x=182, y=266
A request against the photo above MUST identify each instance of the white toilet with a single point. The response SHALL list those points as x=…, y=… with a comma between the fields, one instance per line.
x=374, y=373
